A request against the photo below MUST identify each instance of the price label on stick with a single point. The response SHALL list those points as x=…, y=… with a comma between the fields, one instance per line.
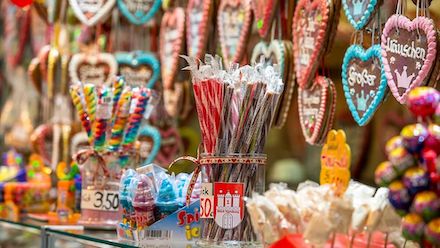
x=335, y=161
x=105, y=200
x=206, y=201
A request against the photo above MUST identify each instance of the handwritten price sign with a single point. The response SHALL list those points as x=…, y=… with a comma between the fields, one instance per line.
x=100, y=200
x=206, y=201
x=335, y=161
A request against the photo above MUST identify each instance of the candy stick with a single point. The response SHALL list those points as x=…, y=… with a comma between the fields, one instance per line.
x=90, y=97
x=121, y=118
x=103, y=115
x=118, y=87
x=135, y=119
x=75, y=93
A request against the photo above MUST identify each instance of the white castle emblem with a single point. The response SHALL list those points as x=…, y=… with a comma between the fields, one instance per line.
x=228, y=209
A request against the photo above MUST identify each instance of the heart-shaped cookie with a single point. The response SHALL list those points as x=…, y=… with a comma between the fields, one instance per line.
x=98, y=69
x=172, y=31
x=264, y=11
x=234, y=22
x=409, y=49
x=316, y=109
x=170, y=146
x=360, y=12
x=310, y=24
x=90, y=12
x=139, y=68
x=139, y=12
x=364, y=81
x=198, y=20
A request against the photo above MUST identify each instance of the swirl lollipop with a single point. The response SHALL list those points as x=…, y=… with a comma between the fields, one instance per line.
x=427, y=205
x=413, y=227
x=413, y=137
x=432, y=232
x=399, y=197
x=423, y=101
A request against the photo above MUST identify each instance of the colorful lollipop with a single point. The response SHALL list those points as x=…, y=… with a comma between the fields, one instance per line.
x=423, y=101
x=103, y=115
x=135, y=119
x=413, y=227
x=91, y=99
x=427, y=205
x=413, y=137
x=118, y=87
x=393, y=143
x=401, y=160
x=416, y=180
x=122, y=114
x=432, y=232
x=385, y=174
x=399, y=197
x=76, y=94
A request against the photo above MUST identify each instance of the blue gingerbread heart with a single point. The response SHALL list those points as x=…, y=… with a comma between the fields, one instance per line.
x=359, y=12
x=364, y=81
x=139, y=12
x=156, y=140
x=139, y=68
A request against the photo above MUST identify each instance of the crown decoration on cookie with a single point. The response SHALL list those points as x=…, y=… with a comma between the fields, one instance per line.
x=362, y=100
x=403, y=80
x=358, y=6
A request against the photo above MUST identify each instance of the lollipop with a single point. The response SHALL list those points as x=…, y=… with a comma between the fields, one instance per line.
x=91, y=99
x=432, y=232
x=401, y=160
x=413, y=137
x=103, y=115
x=423, y=101
x=427, y=205
x=433, y=140
x=384, y=174
x=413, y=227
x=416, y=180
x=117, y=131
x=399, y=197
x=437, y=115
x=393, y=143
x=118, y=86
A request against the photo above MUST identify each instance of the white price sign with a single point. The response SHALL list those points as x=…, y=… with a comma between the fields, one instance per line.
x=206, y=201
x=106, y=200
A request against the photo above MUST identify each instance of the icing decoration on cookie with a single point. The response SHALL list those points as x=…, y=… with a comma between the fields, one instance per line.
x=171, y=44
x=149, y=150
x=234, y=22
x=310, y=24
x=264, y=11
x=139, y=12
x=409, y=50
x=97, y=69
x=277, y=53
x=364, y=81
x=359, y=12
x=198, y=18
x=139, y=68
x=91, y=12
x=316, y=109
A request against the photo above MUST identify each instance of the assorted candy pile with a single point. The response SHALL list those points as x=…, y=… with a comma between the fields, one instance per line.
x=111, y=116
x=150, y=194
x=412, y=170
x=359, y=218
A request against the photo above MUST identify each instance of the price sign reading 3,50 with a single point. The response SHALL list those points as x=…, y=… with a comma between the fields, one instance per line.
x=100, y=200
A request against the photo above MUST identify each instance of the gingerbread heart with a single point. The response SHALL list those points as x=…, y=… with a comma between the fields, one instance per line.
x=171, y=44
x=272, y=54
x=98, y=69
x=364, y=81
x=316, y=107
x=234, y=22
x=198, y=18
x=310, y=24
x=360, y=12
x=90, y=12
x=139, y=68
x=264, y=11
x=139, y=12
x=409, y=50
x=170, y=146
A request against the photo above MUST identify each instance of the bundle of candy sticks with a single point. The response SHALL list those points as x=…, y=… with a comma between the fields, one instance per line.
x=235, y=109
x=111, y=116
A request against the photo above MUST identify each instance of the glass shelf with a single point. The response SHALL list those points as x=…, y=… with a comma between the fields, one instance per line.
x=29, y=233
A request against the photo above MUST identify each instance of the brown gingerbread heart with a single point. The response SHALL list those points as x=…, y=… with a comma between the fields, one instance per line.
x=198, y=18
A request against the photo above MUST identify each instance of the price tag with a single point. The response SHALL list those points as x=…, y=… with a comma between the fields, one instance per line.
x=206, y=201
x=335, y=161
x=105, y=200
